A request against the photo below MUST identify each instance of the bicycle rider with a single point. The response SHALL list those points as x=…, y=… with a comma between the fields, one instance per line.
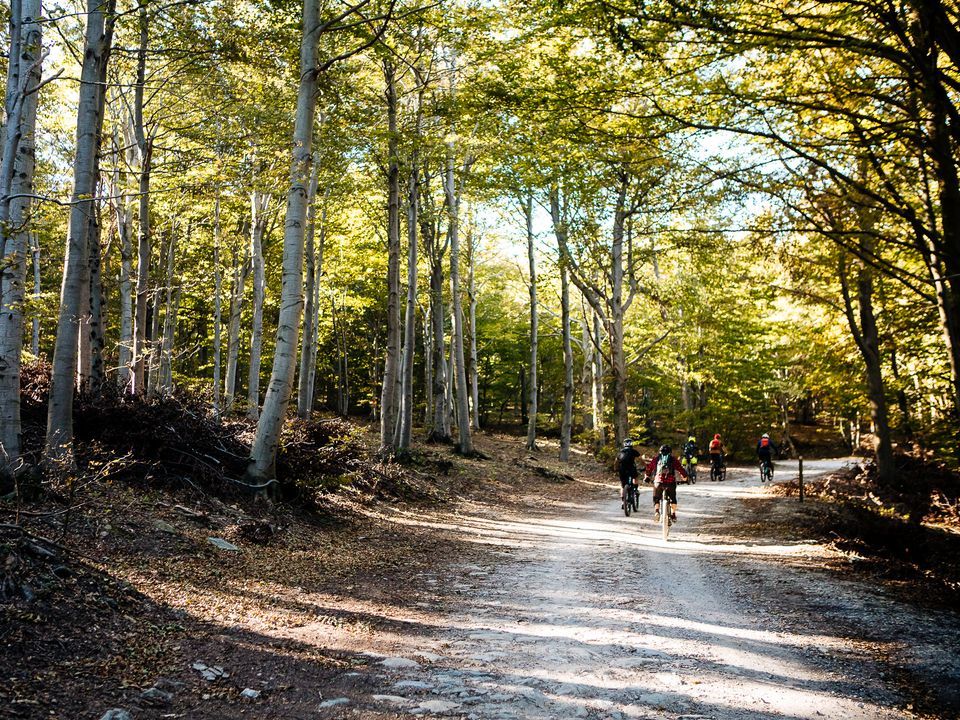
x=626, y=467
x=664, y=468
x=717, y=451
x=690, y=451
x=765, y=451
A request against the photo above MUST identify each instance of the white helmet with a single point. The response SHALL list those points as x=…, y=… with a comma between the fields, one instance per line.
x=766, y=435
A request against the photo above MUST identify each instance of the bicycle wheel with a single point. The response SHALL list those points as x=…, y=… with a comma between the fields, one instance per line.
x=628, y=501
x=665, y=514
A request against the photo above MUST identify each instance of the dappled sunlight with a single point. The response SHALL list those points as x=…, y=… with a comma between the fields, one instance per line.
x=637, y=531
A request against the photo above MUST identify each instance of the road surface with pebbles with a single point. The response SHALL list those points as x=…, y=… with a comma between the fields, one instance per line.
x=578, y=611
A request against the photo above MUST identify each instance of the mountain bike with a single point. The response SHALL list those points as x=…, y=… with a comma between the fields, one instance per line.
x=690, y=466
x=766, y=471
x=631, y=498
x=718, y=471
x=665, y=520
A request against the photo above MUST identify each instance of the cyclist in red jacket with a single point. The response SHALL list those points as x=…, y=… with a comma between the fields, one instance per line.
x=664, y=468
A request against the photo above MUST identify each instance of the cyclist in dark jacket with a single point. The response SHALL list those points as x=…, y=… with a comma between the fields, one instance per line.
x=626, y=467
x=765, y=451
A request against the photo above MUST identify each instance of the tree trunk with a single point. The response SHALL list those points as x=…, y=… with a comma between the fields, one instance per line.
x=95, y=327
x=586, y=374
x=241, y=270
x=391, y=365
x=426, y=315
x=440, y=430
x=598, y=399
x=928, y=24
x=98, y=39
x=153, y=342
x=16, y=178
x=472, y=326
x=308, y=348
x=165, y=385
x=259, y=202
x=617, y=311
x=264, y=452
x=534, y=328
x=145, y=145
x=125, y=346
x=35, y=339
x=867, y=337
x=567, y=421
x=405, y=433
x=217, y=309
x=462, y=409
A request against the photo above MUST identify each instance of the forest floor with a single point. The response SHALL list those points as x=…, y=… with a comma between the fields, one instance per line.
x=515, y=588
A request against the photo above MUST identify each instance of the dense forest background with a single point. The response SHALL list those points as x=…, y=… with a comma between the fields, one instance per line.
x=589, y=219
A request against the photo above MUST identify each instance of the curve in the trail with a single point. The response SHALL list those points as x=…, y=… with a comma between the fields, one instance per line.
x=596, y=616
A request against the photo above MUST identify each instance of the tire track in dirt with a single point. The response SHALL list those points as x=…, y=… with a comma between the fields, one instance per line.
x=596, y=617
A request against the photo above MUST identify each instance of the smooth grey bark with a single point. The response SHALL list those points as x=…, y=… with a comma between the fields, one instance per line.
x=472, y=330
x=241, y=271
x=453, y=232
x=259, y=202
x=586, y=373
x=436, y=250
x=172, y=292
x=343, y=384
x=391, y=365
x=16, y=185
x=318, y=275
x=264, y=451
x=124, y=220
x=426, y=316
x=598, y=370
x=566, y=423
x=58, y=453
x=145, y=147
x=9, y=121
x=405, y=427
x=217, y=310
x=311, y=279
x=532, y=385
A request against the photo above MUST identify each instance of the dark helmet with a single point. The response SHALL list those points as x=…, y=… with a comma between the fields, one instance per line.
x=665, y=449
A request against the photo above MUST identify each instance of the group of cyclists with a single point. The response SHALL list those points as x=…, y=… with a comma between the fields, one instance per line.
x=665, y=467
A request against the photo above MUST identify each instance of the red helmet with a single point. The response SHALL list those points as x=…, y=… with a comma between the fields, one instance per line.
x=717, y=436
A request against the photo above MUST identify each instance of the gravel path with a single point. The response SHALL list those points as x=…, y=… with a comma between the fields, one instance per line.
x=586, y=613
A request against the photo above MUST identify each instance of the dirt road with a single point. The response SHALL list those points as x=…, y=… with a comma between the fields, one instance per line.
x=579, y=611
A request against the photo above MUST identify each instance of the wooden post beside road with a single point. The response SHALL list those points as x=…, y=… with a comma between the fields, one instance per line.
x=801, y=478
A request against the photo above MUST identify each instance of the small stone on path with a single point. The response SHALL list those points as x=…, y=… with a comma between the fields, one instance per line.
x=437, y=706
x=333, y=703
x=412, y=685
x=222, y=544
x=250, y=693
x=399, y=663
x=116, y=714
x=396, y=699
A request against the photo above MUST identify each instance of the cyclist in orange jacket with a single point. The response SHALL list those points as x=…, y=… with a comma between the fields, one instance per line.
x=717, y=451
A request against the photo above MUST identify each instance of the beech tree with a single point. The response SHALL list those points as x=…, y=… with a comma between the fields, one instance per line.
x=16, y=189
